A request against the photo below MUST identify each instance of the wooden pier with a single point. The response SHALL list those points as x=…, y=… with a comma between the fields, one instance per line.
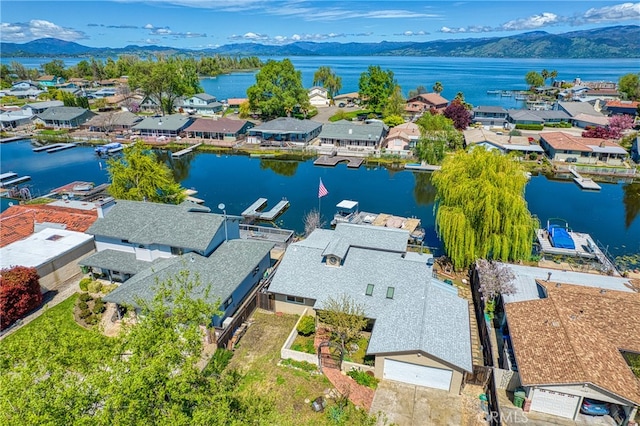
x=584, y=183
x=14, y=138
x=15, y=181
x=182, y=152
x=8, y=175
x=332, y=161
x=422, y=167
x=254, y=211
x=54, y=147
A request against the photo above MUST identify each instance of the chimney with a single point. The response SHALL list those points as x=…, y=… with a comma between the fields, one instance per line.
x=103, y=206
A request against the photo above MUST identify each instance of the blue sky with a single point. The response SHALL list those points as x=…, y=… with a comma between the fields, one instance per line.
x=200, y=23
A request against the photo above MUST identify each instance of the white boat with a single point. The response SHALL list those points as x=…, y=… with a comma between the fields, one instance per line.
x=347, y=211
x=108, y=148
x=493, y=92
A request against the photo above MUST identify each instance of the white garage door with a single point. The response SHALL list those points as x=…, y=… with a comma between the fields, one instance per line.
x=414, y=374
x=556, y=403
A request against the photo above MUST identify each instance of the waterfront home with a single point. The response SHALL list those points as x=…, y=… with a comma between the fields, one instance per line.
x=202, y=104
x=65, y=117
x=49, y=80
x=506, y=144
x=14, y=119
x=168, y=126
x=420, y=332
x=112, y=121
x=151, y=103
x=561, y=146
x=353, y=136
x=401, y=139
x=562, y=335
x=220, y=129
x=423, y=102
x=234, y=103
x=622, y=107
x=284, y=131
x=490, y=116
x=582, y=114
x=34, y=108
x=318, y=96
x=540, y=117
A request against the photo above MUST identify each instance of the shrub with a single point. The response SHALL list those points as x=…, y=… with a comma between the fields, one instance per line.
x=307, y=325
x=85, y=313
x=84, y=283
x=302, y=365
x=364, y=378
x=19, y=293
x=108, y=288
x=94, y=287
x=85, y=297
x=218, y=362
x=92, y=320
x=533, y=156
x=529, y=126
x=83, y=305
x=99, y=307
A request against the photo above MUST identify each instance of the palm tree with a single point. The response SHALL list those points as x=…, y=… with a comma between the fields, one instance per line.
x=437, y=87
x=552, y=75
x=545, y=75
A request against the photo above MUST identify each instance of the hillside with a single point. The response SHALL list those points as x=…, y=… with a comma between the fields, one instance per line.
x=609, y=42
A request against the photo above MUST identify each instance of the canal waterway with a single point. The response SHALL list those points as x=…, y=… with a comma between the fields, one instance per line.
x=609, y=215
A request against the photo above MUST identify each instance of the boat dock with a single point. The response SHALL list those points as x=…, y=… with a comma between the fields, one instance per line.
x=8, y=175
x=182, y=152
x=190, y=196
x=281, y=237
x=254, y=210
x=422, y=167
x=585, y=183
x=54, y=147
x=332, y=161
x=16, y=180
x=13, y=139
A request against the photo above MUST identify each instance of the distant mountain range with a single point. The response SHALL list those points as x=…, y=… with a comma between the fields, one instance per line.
x=609, y=42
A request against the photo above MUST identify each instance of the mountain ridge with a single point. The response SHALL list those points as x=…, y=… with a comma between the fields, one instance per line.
x=608, y=42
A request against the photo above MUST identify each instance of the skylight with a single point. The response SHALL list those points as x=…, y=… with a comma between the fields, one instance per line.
x=369, y=291
x=390, y=291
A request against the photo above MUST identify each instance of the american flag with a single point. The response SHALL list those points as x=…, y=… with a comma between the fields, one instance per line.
x=322, y=191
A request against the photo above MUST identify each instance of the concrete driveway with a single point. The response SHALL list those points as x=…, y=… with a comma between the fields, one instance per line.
x=408, y=405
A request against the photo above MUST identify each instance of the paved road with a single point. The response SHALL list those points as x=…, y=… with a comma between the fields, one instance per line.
x=64, y=291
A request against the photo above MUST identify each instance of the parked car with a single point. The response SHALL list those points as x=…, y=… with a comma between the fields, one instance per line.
x=571, y=160
x=594, y=408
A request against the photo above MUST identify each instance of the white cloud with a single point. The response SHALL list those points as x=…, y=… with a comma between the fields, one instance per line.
x=615, y=13
x=410, y=33
x=281, y=39
x=545, y=19
x=38, y=28
x=149, y=27
x=450, y=30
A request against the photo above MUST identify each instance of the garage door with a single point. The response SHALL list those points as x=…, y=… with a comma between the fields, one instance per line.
x=417, y=374
x=556, y=403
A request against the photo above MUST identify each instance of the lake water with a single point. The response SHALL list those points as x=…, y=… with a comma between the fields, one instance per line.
x=609, y=215
x=472, y=76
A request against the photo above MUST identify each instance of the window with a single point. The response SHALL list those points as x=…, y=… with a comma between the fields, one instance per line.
x=369, y=291
x=256, y=270
x=177, y=251
x=125, y=241
x=295, y=299
x=227, y=302
x=390, y=291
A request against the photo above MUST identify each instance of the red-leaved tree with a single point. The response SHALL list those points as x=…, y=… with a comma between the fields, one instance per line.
x=617, y=125
x=19, y=293
x=459, y=114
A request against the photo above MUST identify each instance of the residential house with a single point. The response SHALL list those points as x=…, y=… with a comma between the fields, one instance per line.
x=506, y=144
x=14, y=119
x=202, y=104
x=284, y=131
x=221, y=129
x=622, y=107
x=25, y=90
x=151, y=103
x=49, y=80
x=112, y=121
x=102, y=93
x=141, y=244
x=490, y=116
x=79, y=82
x=563, y=336
x=35, y=108
x=65, y=117
x=560, y=146
x=354, y=136
x=582, y=114
x=318, y=96
x=347, y=98
x=418, y=104
x=234, y=103
x=168, y=126
x=420, y=332
x=541, y=117
x=401, y=139
x=23, y=85
x=54, y=252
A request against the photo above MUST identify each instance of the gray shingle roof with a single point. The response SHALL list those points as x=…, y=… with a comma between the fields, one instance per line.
x=115, y=260
x=576, y=108
x=186, y=225
x=349, y=130
x=62, y=113
x=44, y=104
x=490, y=108
x=223, y=271
x=205, y=97
x=424, y=314
x=287, y=125
x=173, y=122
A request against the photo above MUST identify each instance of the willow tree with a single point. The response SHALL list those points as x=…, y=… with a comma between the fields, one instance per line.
x=480, y=208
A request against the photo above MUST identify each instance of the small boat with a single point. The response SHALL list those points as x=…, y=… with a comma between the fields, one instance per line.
x=506, y=93
x=108, y=148
x=521, y=97
x=494, y=92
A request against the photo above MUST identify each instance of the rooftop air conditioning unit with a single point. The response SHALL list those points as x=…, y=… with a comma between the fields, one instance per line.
x=227, y=322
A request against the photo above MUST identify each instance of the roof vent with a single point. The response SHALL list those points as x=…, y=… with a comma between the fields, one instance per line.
x=603, y=291
x=192, y=259
x=548, y=276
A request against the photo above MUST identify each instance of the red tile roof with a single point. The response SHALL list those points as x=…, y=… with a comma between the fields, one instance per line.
x=623, y=104
x=431, y=99
x=566, y=141
x=17, y=222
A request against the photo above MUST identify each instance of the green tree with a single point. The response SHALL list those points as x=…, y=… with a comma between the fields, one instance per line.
x=278, y=90
x=344, y=317
x=396, y=104
x=5, y=79
x=165, y=79
x=328, y=79
x=417, y=91
x=393, y=120
x=376, y=86
x=55, y=68
x=139, y=176
x=480, y=208
x=534, y=79
x=545, y=74
x=437, y=87
x=629, y=84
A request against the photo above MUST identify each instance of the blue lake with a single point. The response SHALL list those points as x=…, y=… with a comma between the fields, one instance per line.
x=609, y=215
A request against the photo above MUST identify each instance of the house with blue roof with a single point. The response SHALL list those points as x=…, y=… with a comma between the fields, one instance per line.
x=420, y=330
